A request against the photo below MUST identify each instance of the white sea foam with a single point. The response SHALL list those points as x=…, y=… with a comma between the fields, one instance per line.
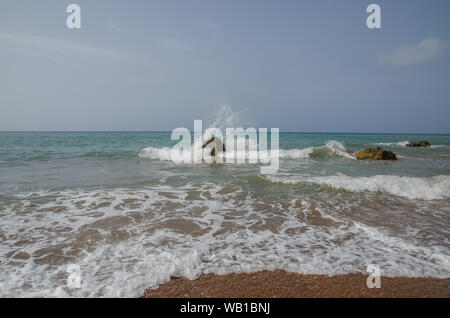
x=330, y=149
x=393, y=144
x=403, y=144
x=154, y=153
x=152, y=248
x=430, y=188
x=338, y=148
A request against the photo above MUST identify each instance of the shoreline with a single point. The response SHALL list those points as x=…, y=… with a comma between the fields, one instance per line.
x=282, y=284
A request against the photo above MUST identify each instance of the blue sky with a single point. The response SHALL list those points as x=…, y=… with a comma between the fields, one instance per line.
x=156, y=65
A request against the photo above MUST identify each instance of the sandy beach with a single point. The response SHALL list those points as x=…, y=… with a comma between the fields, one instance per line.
x=281, y=284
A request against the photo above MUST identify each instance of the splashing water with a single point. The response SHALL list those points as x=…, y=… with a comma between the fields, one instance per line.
x=228, y=118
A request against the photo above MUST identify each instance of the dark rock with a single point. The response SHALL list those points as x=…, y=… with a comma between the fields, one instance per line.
x=422, y=143
x=376, y=154
x=215, y=143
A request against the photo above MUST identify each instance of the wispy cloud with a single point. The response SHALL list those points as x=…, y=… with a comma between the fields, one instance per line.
x=178, y=46
x=58, y=48
x=111, y=25
x=427, y=51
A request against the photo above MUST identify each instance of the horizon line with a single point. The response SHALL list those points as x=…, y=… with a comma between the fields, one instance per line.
x=168, y=131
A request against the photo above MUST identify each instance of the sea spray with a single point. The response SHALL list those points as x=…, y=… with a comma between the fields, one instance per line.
x=236, y=143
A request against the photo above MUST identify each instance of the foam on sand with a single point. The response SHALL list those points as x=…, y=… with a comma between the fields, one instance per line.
x=127, y=240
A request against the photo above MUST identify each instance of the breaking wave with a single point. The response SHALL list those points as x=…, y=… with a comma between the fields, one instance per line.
x=331, y=149
x=393, y=144
x=431, y=188
x=403, y=144
x=154, y=153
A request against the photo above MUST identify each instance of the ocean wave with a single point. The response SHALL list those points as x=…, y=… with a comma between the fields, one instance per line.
x=393, y=144
x=431, y=188
x=154, y=153
x=403, y=144
x=331, y=149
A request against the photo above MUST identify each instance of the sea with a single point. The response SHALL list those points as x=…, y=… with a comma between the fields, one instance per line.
x=112, y=210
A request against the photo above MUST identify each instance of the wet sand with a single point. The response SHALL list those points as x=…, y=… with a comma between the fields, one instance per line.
x=281, y=284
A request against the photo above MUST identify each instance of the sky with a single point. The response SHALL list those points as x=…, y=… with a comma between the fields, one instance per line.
x=307, y=66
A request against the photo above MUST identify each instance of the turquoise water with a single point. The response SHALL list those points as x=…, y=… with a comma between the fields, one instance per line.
x=31, y=161
x=130, y=218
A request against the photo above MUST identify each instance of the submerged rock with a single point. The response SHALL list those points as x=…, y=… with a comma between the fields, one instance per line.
x=214, y=143
x=376, y=154
x=422, y=143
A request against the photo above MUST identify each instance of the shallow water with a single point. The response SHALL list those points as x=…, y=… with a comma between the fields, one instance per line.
x=116, y=206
